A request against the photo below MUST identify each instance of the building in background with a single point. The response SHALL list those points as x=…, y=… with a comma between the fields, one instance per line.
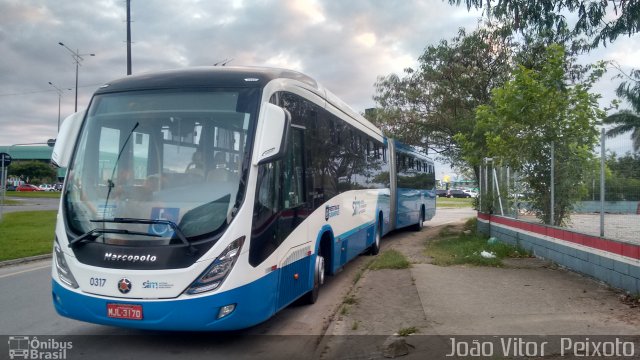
x=32, y=153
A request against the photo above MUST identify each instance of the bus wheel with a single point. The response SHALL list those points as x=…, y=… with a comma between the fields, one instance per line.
x=418, y=226
x=318, y=279
x=374, y=249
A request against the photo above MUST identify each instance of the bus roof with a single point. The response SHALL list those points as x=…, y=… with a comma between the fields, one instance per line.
x=205, y=76
x=401, y=147
x=229, y=76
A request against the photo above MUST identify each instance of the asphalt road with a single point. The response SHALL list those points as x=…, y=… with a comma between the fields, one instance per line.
x=31, y=204
x=25, y=298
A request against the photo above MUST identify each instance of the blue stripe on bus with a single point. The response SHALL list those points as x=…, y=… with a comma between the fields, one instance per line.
x=355, y=230
x=352, y=243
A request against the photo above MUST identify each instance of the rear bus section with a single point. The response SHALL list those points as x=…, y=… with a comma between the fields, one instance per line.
x=414, y=188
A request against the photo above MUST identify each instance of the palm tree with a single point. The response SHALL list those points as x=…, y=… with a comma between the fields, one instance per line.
x=627, y=120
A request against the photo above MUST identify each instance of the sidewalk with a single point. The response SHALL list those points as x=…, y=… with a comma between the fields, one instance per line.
x=526, y=297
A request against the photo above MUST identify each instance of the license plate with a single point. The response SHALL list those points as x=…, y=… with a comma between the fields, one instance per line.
x=124, y=311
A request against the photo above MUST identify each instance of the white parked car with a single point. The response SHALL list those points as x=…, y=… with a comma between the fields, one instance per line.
x=471, y=192
x=46, y=187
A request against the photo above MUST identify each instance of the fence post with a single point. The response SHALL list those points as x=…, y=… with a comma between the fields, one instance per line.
x=506, y=191
x=553, y=184
x=480, y=195
x=486, y=181
x=496, y=187
x=602, y=163
x=3, y=185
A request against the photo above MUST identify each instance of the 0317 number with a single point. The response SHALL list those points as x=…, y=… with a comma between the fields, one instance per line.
x=97, y=281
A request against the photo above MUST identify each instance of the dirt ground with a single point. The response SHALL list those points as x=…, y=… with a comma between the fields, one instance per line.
x=525, y=297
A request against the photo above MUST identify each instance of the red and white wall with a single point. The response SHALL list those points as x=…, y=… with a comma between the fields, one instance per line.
x=614, y=262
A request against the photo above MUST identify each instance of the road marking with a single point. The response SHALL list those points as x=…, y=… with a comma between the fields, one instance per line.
x=24, y=271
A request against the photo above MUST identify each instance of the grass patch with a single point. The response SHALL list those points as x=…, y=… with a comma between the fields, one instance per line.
x=361, y=271
x=454, y=247
x=35, y=194
x=408, y=331
x=26, y=233
x=389, y=259
x=443, y=202
x=355, y=325
x=358, y=276
x=350, y=300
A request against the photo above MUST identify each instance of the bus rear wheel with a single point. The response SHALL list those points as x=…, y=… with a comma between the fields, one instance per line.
x=374, y=249
x=418, y=226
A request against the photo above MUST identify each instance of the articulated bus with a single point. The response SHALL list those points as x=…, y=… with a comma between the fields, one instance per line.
x=211, y=198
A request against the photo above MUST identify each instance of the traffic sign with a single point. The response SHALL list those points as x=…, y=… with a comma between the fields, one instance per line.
x=5, y=159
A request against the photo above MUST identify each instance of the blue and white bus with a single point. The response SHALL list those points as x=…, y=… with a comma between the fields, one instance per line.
x=211, y=198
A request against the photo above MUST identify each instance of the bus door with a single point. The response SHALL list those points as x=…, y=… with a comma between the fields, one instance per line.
x=294, y=210
x=280, y=207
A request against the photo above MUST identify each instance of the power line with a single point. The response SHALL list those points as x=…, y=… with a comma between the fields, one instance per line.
x=45, y=91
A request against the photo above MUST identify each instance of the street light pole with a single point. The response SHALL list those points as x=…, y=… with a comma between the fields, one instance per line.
x=78, y=58
x=128, y=37
x=59, y=91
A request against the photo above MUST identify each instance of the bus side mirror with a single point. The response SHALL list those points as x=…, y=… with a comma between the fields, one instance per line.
x=272, y=134
x=66, y=139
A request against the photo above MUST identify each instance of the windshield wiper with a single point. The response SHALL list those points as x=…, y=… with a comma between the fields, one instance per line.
x=176, y=229
x=110, y=183
x=96, y=232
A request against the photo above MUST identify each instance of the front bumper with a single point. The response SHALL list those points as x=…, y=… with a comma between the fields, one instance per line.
x=255, y=303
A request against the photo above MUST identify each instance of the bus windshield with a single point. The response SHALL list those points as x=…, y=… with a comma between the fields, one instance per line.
x=170, y=155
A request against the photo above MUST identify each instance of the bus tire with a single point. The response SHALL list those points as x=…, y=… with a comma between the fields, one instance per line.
x=418, y=226
x=318, y=279
x=374, y=249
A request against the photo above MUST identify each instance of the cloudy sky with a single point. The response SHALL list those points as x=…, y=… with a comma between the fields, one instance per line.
x=344, y=45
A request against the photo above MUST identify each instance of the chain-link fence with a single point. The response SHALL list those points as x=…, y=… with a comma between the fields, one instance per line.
x=599, y=196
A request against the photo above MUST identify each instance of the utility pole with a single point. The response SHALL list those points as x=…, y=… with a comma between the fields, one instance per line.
x=128, y=37
x=603, y=154
x=59, y=91
x=78, y=58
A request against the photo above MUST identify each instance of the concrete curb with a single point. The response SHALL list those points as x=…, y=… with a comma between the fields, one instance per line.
x=24, y=260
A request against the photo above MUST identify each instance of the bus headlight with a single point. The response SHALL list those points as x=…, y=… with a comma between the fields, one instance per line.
x=64, y=273
x=215, y=274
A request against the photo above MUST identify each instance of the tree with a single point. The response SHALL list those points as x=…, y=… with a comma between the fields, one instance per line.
x=627, y=120
x=622, y=178
x=532, y=113
x=429, y=105
x=36, y=171
x=626, y=166
x=594, y=17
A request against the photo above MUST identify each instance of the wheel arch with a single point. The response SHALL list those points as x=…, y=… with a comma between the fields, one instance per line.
x=324, y=242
